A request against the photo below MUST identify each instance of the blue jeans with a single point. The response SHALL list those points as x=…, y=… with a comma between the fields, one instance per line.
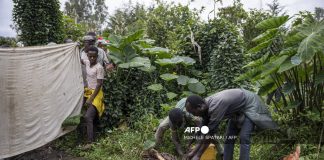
x=245, y=135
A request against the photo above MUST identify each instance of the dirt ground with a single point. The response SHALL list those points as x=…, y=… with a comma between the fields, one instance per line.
x=45, y=153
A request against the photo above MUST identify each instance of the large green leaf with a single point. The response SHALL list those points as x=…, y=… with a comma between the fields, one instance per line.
x=258, y=62
x=274, y=22
x=260, y=46
x=250, y=74
x=171, y=95
x=267, y=86
x=113, y=49
x=192, y=80
x=267, y=80
x=136, y=62
x=310, y=45
x=286, y=65
x=296, y=60
x=183, y=80
x=294, y=39
x=128, y=53
x=116, y=58
x=114, y=39
x=308, y=26
x=187, y=61
x=176, y=60
x=186, y=93
x=288, y=51
x=130, y=65
x=265, y=89
x=273, y=65
x=168, y=76
x=145, y=43
x=131, y=38
x=148, y=68
x=142, y=44
x=155, y=87
x=158, y=51
x=313, y=43
x=144, y=60
x=269, y=34
x=115, y=54
x=167, y=61
x=197, y=87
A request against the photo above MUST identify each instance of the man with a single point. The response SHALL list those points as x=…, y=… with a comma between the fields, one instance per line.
x=102, y=43
x=177, y=119
x=93, y=91
x=244, y=109
x=90, y=40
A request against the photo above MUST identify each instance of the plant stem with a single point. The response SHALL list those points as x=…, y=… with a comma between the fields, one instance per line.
x=320, y=141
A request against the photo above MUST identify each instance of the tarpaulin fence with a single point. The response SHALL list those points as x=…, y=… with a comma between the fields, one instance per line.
x=39, y=88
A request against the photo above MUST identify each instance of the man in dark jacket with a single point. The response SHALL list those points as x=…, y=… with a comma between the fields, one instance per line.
x=244, y=109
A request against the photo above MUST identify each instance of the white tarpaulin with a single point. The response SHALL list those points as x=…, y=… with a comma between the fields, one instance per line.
x=39, y=88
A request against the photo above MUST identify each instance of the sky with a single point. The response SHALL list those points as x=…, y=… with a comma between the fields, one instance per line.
x=291, y=7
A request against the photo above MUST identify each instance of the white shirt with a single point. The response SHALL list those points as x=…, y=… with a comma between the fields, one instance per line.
x=93, y=73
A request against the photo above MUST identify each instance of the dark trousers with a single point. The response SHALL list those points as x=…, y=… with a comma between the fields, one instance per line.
x=244, y=135
x=91, y=117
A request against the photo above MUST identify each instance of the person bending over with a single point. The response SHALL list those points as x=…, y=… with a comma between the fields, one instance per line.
x=242, y=108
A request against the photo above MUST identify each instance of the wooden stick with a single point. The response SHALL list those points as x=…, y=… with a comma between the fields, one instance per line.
x=157, y=154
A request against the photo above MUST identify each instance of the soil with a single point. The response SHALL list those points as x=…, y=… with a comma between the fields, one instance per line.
x=45, y=153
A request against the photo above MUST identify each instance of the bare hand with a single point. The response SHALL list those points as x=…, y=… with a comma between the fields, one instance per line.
x=109, y=67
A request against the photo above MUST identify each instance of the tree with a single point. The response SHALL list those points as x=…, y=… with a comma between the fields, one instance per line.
x=319, y=13
x=169, y=25
x=90, y=12
x=275, y=8
x=7, y=41
x=72, y=30
x=249, y=30
x=127, y=20
x=38, y=22
x=226, y=57
x=235, y=14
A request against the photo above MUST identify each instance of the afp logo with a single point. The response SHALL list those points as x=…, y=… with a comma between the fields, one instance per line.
x=203, y=129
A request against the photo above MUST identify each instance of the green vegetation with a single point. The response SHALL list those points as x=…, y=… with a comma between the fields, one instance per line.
x=38, y=22
x=166, y=52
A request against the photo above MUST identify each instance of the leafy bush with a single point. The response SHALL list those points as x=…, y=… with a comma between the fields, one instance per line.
x=72, y=30
x=128, y=99
x=45, y=28
x=11, y=42
x=168, y=24
x=135, y=89
x=226, y=59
